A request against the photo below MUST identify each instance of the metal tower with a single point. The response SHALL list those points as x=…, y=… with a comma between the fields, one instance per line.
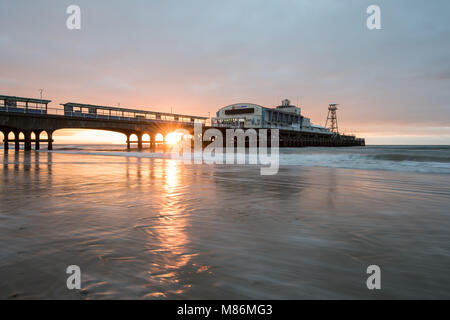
x=332, y=118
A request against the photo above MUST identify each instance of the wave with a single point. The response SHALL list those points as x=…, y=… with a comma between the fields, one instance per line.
x=421, y=159
x=408, y=157
x=391, y=162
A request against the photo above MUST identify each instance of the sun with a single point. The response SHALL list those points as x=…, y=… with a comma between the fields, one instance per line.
x=173, y=138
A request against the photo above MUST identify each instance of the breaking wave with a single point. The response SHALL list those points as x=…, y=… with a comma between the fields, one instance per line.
x=422, y=159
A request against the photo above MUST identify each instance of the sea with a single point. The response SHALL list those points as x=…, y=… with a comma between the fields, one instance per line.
x=143, y=225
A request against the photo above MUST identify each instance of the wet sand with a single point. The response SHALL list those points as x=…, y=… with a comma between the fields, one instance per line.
x=159, y=228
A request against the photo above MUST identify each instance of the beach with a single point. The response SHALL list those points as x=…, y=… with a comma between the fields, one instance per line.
x=142, y=225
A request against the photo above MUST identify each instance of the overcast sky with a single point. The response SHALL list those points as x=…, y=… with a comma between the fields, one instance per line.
x=194, y=56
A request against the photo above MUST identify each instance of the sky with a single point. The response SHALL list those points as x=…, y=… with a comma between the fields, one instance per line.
x=196, y=56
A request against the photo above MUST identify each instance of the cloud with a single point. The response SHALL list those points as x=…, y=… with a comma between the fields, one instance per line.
x=112, y=83
x=199, y=55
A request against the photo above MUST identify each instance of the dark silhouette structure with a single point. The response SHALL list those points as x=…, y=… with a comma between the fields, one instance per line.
x=28, y=118
x=332, y=118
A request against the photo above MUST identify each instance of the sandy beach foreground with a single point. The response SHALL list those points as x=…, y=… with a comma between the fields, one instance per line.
x=159, y=228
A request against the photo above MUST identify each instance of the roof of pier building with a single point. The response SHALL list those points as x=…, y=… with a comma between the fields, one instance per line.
x=83, y=105
x=22, y=99
x=249, y=108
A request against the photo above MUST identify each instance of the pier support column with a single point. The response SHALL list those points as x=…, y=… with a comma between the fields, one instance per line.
x=128, y=142
x=37, y=143
x=152, y=141
x=50, y=140
x=27, y=136
x=5, y=141
x=16, y=140
x=139, y=135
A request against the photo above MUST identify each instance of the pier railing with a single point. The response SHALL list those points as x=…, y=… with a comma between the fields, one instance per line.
x=65, y=113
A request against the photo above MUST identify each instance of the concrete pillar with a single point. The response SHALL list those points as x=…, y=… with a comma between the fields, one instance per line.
x=50, y=140
x=152, y=140
x=5, y=141
x=16, y=141
x=37, y=143
x=128, y=142
x=27, y=135
x=139, y=135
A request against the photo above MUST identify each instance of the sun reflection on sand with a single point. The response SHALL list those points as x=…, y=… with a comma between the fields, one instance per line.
x=170, y=230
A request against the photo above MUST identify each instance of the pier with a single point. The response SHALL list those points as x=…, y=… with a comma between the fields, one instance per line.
x=31, y=117
x=27, y=119
x=298, y=139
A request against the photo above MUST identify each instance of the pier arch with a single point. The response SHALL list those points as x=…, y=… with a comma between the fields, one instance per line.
x=4, y=139
x=41, y=134
x=159, y=137
x=133, y=137
x=86, y=136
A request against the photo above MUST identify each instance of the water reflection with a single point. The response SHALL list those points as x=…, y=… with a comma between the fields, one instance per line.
x=170, y=231
x=28, y=166
x=157, y=228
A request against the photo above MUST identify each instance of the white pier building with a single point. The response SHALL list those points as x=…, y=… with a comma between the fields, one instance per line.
x=250, y=115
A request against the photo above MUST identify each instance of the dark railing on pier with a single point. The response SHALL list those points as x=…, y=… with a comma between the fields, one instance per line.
x=29, y=116
x=38, y=106
x=23, y=105
x=115, y=113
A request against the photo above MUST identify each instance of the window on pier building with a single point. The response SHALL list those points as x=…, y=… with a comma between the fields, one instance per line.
x=21, y=104
x=10, y=103
x=101, y=112
x=240, y=111
x=167, y=118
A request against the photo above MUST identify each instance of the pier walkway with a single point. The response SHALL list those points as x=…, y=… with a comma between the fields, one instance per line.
x=26, y=119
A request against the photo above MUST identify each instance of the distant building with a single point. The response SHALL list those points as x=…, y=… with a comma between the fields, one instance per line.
x=249, y=115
